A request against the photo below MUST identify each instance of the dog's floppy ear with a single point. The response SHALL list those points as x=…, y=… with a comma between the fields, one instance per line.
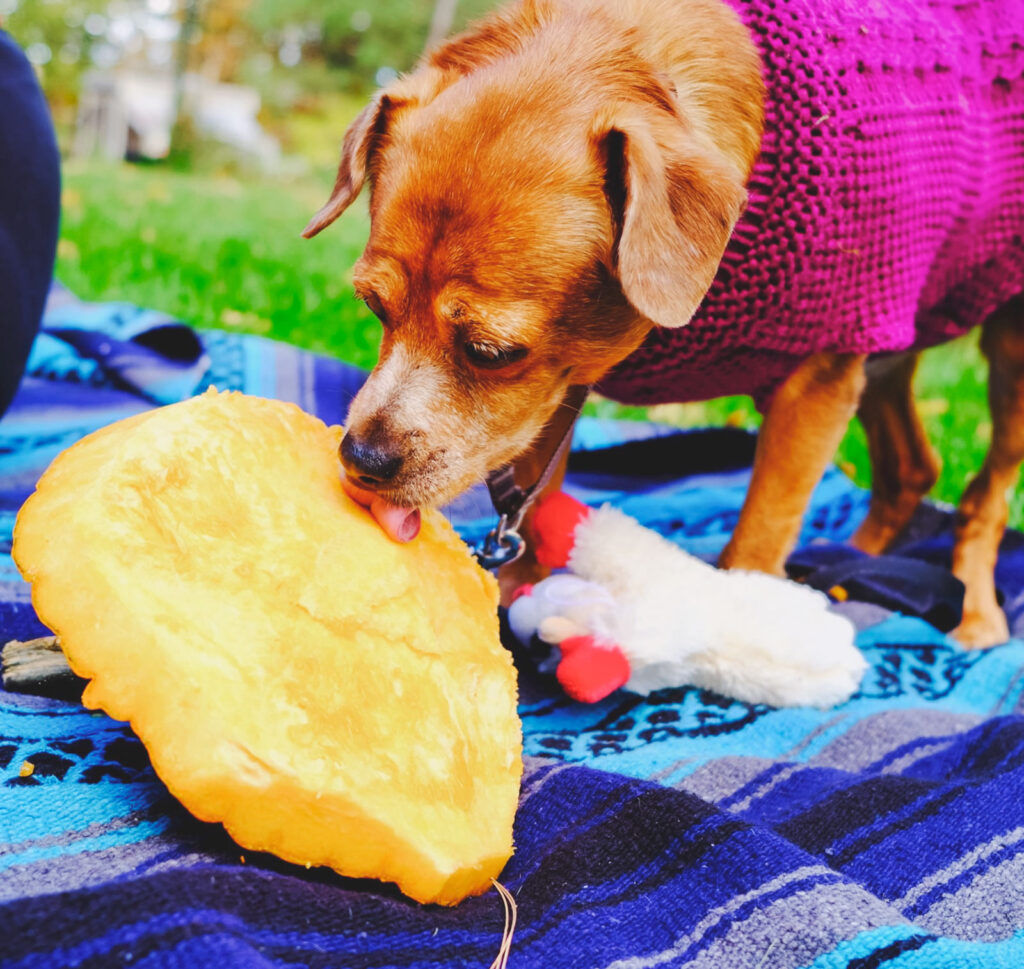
x=355, y=156
x=675, y=203
x=365, y=134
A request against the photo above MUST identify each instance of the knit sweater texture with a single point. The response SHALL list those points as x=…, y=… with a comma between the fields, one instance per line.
x=887, y=205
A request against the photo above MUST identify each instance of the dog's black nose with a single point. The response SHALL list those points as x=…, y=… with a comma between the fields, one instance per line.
x=369, y=464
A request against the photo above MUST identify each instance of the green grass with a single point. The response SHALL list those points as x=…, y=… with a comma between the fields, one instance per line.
x=217, y=252
x=221, y=252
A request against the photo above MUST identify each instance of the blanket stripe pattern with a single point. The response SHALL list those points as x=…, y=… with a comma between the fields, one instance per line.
x=679, y=829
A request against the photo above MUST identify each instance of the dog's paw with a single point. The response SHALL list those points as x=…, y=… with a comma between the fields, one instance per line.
x=873, y=536
x=982, y=628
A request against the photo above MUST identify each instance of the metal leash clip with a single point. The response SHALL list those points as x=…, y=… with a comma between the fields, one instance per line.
x=501, y=545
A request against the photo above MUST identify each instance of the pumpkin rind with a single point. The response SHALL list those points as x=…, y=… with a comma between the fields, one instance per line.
x=327, y=694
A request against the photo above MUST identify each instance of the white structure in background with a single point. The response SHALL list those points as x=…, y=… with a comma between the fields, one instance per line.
x=130, y=113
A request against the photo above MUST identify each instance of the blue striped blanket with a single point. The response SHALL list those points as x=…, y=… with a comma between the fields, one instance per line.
x=681, y=829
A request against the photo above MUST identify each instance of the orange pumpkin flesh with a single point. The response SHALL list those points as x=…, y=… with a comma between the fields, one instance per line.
x=329, y=695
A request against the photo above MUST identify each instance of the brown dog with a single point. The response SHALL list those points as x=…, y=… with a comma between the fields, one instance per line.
x=550, y=186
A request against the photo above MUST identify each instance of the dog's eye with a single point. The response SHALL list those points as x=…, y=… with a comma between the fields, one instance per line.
x=492, y=356
x=376, y=307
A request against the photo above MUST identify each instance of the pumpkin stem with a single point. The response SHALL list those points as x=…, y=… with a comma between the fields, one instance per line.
x=501, y=960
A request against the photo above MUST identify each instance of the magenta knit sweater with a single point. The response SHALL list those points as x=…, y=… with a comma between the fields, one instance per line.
x=887, y=206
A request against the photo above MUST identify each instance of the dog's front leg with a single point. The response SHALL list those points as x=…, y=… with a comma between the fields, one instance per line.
x=528, y=469
x=804, y=424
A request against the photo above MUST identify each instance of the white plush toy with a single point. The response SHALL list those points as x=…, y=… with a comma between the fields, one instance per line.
x=638, y=612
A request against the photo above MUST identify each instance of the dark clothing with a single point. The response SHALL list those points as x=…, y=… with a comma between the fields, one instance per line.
x=29, y=211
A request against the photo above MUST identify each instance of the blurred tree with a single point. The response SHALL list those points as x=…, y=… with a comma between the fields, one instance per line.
x=312, y=61
x=223, y=38
x=441, y=22
x=367, y=41
x=62, y=38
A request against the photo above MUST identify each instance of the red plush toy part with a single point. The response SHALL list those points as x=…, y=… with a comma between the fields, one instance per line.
x=523, y=590
x=589, y=670
x=554, y=528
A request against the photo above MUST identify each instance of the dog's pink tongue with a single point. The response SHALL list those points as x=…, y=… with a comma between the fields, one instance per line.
x=399, y=523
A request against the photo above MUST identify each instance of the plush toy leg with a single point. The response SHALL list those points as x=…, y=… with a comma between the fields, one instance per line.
x=554, y=528
x=590, y=671
x=523, y=590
